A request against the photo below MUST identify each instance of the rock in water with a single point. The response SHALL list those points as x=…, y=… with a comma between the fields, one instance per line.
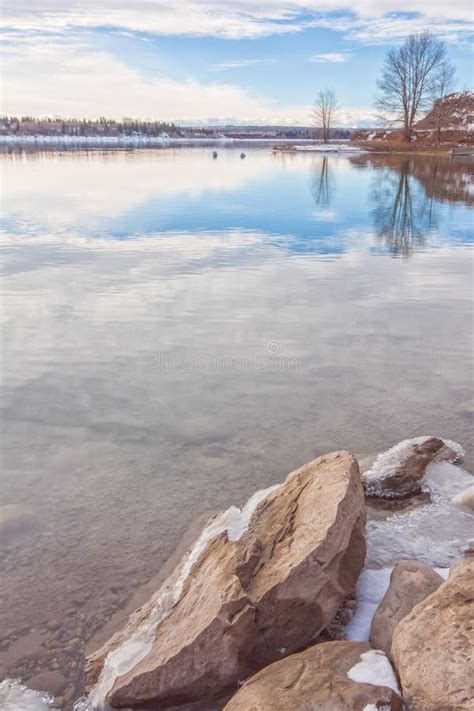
x=432, y=647
x=252, y=596
x=410, y=583
x=399, y=471
x=322, y=679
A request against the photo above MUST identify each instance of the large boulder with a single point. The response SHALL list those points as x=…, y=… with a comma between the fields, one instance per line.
x=432, y=646
x=410, y=583
x=399, y=471
x=332, y=676
x=252, y=594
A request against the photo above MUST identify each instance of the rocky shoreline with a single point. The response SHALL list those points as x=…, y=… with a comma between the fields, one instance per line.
x=298, y=602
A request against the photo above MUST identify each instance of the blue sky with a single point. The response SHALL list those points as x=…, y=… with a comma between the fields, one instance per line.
x=201, y=61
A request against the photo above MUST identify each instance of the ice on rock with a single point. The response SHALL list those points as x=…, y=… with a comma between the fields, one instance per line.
x=389, y=462
x=374, y=668
x=15, y=696
x=234, y=522
x=434, y=533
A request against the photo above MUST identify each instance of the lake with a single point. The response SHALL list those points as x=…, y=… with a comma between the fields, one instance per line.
x=179, y=331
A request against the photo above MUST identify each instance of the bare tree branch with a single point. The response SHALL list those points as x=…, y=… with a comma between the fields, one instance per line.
x=406, y=85
x=325, y=111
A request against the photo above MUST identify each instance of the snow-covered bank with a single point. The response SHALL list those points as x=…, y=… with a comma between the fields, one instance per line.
x=129, y=141
x=327, y=148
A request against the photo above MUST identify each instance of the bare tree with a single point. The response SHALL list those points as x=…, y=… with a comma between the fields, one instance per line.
x=407, y=79
x=324, y=112
x=442, y=84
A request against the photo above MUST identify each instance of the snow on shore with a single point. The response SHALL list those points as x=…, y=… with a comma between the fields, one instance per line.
x=129, y=141
x=15, y=696
x=327, y=148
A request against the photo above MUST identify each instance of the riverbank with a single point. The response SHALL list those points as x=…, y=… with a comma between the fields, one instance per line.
x=299, y=570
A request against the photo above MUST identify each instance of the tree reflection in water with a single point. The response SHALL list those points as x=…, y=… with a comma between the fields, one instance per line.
x=406, y=193
x=403, y=213
x=322, y=182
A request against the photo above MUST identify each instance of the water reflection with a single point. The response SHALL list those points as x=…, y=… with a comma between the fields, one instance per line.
x=323, y=183
x=120, y=262
x=402, y=212
x=406, y=195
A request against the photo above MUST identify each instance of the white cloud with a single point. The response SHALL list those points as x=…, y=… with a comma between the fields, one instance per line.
x=66, y=77
x=239, y=63
x=331, y=57
x=242, y=18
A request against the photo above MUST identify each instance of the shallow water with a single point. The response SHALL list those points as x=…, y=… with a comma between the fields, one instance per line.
x=179, y=332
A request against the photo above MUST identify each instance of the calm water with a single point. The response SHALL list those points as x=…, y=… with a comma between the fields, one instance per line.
x=180, y=331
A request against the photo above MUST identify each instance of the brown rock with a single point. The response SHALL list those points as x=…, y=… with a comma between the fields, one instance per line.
x=399, y=471
x=51, y=681
x=410, y=583
x=432, y=646
x=465, y=500
x=315, y=680
x=250, y=600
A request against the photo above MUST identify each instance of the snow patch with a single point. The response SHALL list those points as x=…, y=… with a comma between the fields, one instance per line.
x=371, y=588
x=15, y=696
x=327, y=148
x=374, y=668
x=235, y=523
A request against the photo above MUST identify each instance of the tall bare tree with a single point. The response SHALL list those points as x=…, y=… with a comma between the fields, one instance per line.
x=442, y=84
x=324, y=112
x=407, y=79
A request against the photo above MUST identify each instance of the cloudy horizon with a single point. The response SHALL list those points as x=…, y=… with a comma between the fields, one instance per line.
x=209, y=62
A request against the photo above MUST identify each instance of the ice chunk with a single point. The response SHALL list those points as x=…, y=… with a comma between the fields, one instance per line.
x=434, y=533
x=15, y=696
x=371, y=587
x=374, y=668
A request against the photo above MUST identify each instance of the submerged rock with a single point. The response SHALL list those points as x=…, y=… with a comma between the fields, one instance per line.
x=465, y=500
x=335, y=676
x=252, y=594
x=432, y=646
x=410, y=583
x=399, y=471
x=52, y=682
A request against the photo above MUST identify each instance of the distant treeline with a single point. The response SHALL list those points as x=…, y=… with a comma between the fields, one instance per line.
x=31, y=126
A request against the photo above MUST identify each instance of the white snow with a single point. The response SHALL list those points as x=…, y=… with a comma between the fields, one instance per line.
x=15, y=696
x=374, y=668
x=234, y=522
x=327, y=148
x=373, y=707
x=388, y=462
x=371, y=587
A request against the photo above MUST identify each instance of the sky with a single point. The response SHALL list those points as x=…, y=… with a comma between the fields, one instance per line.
x=212, y=61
